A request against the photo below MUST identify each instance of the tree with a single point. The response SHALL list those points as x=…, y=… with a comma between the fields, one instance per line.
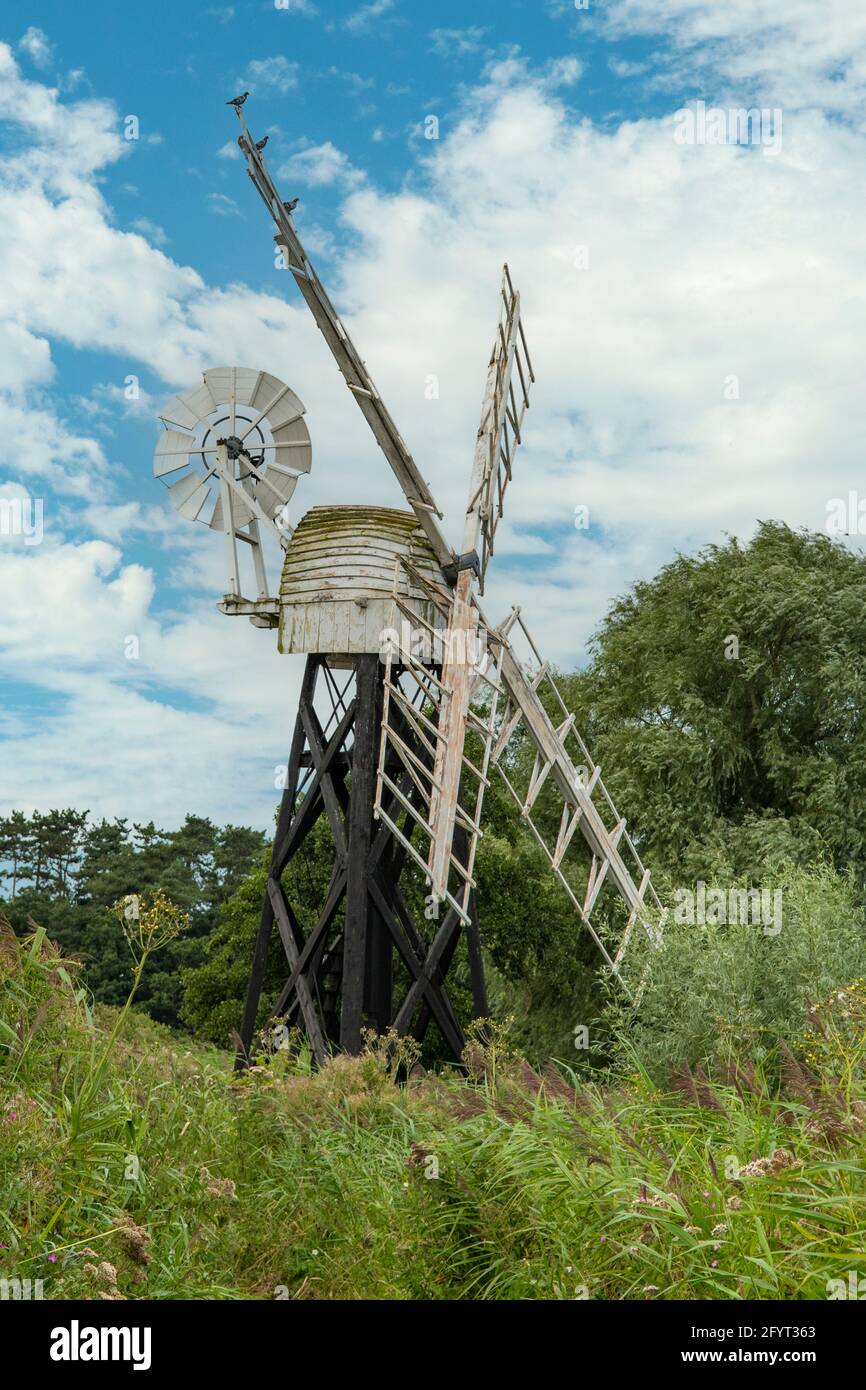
x=66, y=873
x=725, y=701
x=14, y=846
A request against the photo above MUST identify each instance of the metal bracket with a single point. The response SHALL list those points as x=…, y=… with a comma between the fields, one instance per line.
x=469, y=561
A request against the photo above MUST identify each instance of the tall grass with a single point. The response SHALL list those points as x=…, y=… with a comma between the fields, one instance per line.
x=505, y=1184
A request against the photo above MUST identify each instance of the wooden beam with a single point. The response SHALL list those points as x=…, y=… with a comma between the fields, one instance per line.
x=266, y=921
x=288, y=926
x=357, y=852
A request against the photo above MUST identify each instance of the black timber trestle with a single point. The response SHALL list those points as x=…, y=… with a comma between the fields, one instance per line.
x=341, y=976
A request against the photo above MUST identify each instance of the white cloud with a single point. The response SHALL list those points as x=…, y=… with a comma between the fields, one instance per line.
x=151, y=230
x=115, y=521
x=270, y=74
x=621, y=67
x=456, y=43
x=223, y=205
x=363, y=19
x=353, y=80
x=704, y=263
x=564, y=72
x=115, y=741
x=34, y=42
x=229, y=150
x=794, y=55
x=108, y=400
x=320, y=165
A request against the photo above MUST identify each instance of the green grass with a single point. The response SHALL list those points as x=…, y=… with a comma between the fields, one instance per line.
x=181, y=1182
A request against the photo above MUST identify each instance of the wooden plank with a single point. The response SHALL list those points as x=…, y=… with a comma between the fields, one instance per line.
x=287, y=927
x=299, y=966
x=432, y=993
x=357, y=852
x=266, y=921
x=442, y=940
x=457, y=680
x=335, y=800
x=308, y=812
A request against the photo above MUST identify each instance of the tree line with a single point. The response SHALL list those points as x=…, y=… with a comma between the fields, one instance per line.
x=65, y=870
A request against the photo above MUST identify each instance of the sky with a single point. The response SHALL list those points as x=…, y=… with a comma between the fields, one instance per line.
x=694, y=302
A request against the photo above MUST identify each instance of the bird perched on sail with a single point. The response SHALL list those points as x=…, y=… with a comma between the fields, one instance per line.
x=237, y=102
x=290, y=207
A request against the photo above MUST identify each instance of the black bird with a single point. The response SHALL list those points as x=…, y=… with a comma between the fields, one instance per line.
x=290, y=207
x=260, y=144
x=237, y=102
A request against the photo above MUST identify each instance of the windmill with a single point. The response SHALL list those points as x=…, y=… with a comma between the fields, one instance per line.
x=411, y=700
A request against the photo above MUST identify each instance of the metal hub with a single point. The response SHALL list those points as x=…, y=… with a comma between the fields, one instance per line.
x=233, y=445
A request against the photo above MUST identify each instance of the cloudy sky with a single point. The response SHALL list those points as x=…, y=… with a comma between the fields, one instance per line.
x=696, y=314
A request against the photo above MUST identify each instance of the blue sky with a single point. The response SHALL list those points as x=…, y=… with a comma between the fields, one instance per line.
x=698, y=370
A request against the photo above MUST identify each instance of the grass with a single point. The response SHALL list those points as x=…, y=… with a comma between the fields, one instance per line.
x=185, y=1183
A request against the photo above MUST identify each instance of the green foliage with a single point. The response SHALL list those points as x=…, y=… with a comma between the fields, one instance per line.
x=710, y=757
x=214, y=990
x=714, y=993
x=340, y=1185
x=66, y=872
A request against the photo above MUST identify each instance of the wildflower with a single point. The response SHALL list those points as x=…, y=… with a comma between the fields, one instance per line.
x=134, y=1240
x=762, y=1167
x=720, y=1229
x=656, y=1202
x=148, y=927
x=222, y=1187
x=52, y=1257
x=602, y=1238
x=713, y=1263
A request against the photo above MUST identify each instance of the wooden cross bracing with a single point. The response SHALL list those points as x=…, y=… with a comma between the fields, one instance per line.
x=348, y=966
x=562, y=763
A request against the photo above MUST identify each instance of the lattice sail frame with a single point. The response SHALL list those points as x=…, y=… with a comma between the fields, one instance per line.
x=410, y=684
x=587, y=805
x=513, y=700
x=499, y=433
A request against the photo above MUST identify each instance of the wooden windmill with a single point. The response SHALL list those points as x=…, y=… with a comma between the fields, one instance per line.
x=402, y=668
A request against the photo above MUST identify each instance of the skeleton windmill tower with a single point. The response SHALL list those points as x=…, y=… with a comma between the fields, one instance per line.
x=402, y=668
